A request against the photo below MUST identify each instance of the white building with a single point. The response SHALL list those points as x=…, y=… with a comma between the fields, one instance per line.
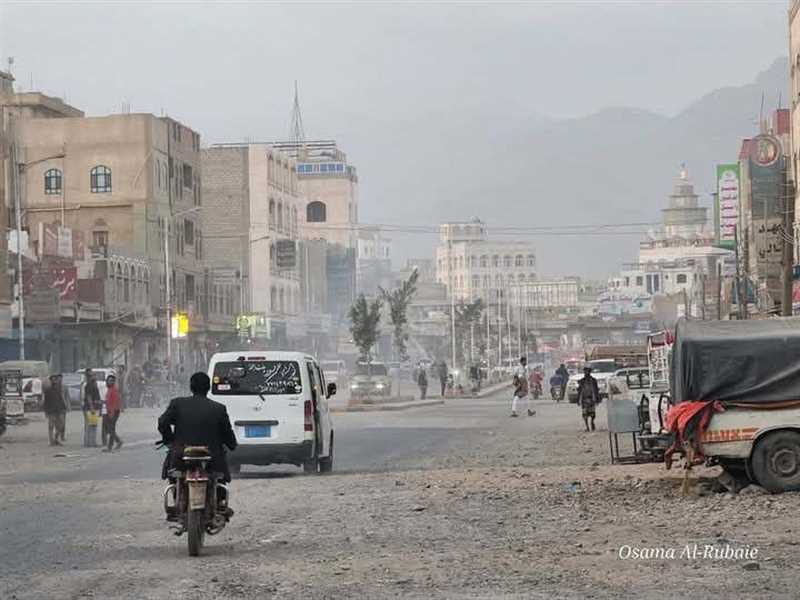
x=374, y=260
x=471, y=266
x=685, y=234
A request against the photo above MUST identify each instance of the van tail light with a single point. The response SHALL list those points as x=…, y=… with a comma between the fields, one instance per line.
x=308, y=414
x=28, y=386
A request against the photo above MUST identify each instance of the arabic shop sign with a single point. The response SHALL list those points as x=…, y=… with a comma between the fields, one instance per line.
x=728, y=186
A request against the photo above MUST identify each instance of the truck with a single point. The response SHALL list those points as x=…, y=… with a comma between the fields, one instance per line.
x=743, y=380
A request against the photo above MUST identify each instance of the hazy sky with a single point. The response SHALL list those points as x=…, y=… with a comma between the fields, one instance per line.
x=227, y=69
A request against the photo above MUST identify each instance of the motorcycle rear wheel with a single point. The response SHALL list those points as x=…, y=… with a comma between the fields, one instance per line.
x=195, y=528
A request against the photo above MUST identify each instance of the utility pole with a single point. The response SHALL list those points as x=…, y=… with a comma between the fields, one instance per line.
x=167, y=290
x=452, y=297
x=20, y=284
x=741, y=294
x=719, y=291
x=788, y=248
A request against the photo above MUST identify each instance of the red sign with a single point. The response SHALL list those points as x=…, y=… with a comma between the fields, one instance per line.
x=65, y=281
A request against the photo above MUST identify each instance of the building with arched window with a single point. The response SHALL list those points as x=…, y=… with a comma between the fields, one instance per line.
x=250, y=191
x=465, y=252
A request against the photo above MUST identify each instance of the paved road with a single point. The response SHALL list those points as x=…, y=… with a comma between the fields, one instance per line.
x=364, y=442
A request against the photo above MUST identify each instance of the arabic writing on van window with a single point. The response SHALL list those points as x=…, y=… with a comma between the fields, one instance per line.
x=251, y=378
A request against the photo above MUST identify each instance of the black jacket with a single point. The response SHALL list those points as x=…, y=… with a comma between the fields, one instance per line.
x=198, y=421
x=588, y=391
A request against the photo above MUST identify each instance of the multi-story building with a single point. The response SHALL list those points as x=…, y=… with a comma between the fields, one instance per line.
x=472, y=266
x=329, y=186
x=123, y=181
x=374, y=267
x=252, y=218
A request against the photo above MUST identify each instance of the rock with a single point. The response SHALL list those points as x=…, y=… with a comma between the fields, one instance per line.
x=753, y=490
x=751, y=566
x=215, y=579
x=418, y=508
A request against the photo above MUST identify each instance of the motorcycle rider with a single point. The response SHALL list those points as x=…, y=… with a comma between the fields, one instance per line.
x=197, y=420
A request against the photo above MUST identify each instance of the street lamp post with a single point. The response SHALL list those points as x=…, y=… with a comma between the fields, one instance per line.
x=21, y=167
x=167, y=277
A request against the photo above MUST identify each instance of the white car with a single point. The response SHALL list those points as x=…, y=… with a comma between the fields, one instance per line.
x=278, y=405
x=602, y=371
x=35, y=375
x=334, y=371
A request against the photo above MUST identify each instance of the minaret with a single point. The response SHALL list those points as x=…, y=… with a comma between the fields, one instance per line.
x=683, y=217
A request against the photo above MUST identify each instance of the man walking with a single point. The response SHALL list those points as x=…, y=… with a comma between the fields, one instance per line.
x=521, y=375
x=113, y=409
x=56, y=411
x=422, y=382
x=443, y=376
x=588, y=397
x=563, y=373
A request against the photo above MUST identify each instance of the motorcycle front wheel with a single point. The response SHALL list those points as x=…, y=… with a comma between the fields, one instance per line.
x=195, y=528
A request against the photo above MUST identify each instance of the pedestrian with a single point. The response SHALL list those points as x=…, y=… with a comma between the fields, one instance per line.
x=112, y=412
x=442, y=371
x=521, y=375
x=563, y=373
x=422, y=382
x=588, y=397
x=55, y=410
x=67, y=407
x=91, y=404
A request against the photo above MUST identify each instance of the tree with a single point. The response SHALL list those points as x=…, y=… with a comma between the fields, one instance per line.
x=365, y=316
x=467, y=315
x=398, y=301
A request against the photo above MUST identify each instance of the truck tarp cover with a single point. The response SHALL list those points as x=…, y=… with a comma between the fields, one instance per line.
x=754, y=361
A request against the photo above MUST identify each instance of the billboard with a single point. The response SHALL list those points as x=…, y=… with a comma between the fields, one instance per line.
x=728, y=191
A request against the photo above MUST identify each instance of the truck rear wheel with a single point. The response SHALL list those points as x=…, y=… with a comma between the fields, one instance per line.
x=776, y=461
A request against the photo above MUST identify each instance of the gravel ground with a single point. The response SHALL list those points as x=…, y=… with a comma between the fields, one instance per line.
x=517, y=508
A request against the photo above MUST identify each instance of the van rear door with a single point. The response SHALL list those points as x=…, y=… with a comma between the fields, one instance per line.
x=264, y=399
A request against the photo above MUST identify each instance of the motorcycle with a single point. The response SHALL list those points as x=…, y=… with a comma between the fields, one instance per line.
x=557, y=388
x=149, y=398
x=196, y=501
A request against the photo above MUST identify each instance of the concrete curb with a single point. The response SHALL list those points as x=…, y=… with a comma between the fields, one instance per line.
x=389, y=406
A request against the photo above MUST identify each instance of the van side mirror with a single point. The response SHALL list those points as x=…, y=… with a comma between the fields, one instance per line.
x=331, y=389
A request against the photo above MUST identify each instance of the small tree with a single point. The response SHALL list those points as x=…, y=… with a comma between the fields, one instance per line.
x=398, y=301
x=365, y=316
x=467, y=315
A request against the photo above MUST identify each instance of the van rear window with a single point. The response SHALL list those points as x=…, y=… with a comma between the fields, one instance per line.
x=251, y=378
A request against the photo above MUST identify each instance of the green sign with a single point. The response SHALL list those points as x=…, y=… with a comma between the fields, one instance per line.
x=727, y=207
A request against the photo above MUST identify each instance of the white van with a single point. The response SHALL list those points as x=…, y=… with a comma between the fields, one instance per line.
x=278, y=405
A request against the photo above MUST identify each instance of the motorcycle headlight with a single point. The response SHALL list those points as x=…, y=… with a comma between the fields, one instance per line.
x=379, y=386
x=353, y=386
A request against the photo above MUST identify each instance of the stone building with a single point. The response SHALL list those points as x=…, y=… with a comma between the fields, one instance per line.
x=124, y=180
x=252, y=219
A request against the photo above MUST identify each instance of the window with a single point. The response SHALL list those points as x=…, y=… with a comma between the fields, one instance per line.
x=316, y=212
x=188, y=232
x=484, y=261
x=100, y=239
x=531, y=260
x=52, y=181
x=495, y=261
x=627, y=282
x=100, y=179
x=518, y=260
x=188, y=180
x=272, y=214
x=190, y=288
x=639, y=280
x=506, y=261
x=681, y=277
x=475, y=281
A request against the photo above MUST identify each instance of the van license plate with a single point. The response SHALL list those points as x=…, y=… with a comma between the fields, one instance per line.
x=257, y=431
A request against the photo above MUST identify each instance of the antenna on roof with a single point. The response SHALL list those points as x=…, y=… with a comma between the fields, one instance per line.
x=296, y=132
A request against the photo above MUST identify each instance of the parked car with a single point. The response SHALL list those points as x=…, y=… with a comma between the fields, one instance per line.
x=602, y=370
x=370, y=379
x=73, y=382
x=34, y=375
x=278, y=405
x=636, y=378
x=334, y=371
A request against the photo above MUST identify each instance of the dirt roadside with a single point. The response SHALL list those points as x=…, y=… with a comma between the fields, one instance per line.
x=524, y=508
